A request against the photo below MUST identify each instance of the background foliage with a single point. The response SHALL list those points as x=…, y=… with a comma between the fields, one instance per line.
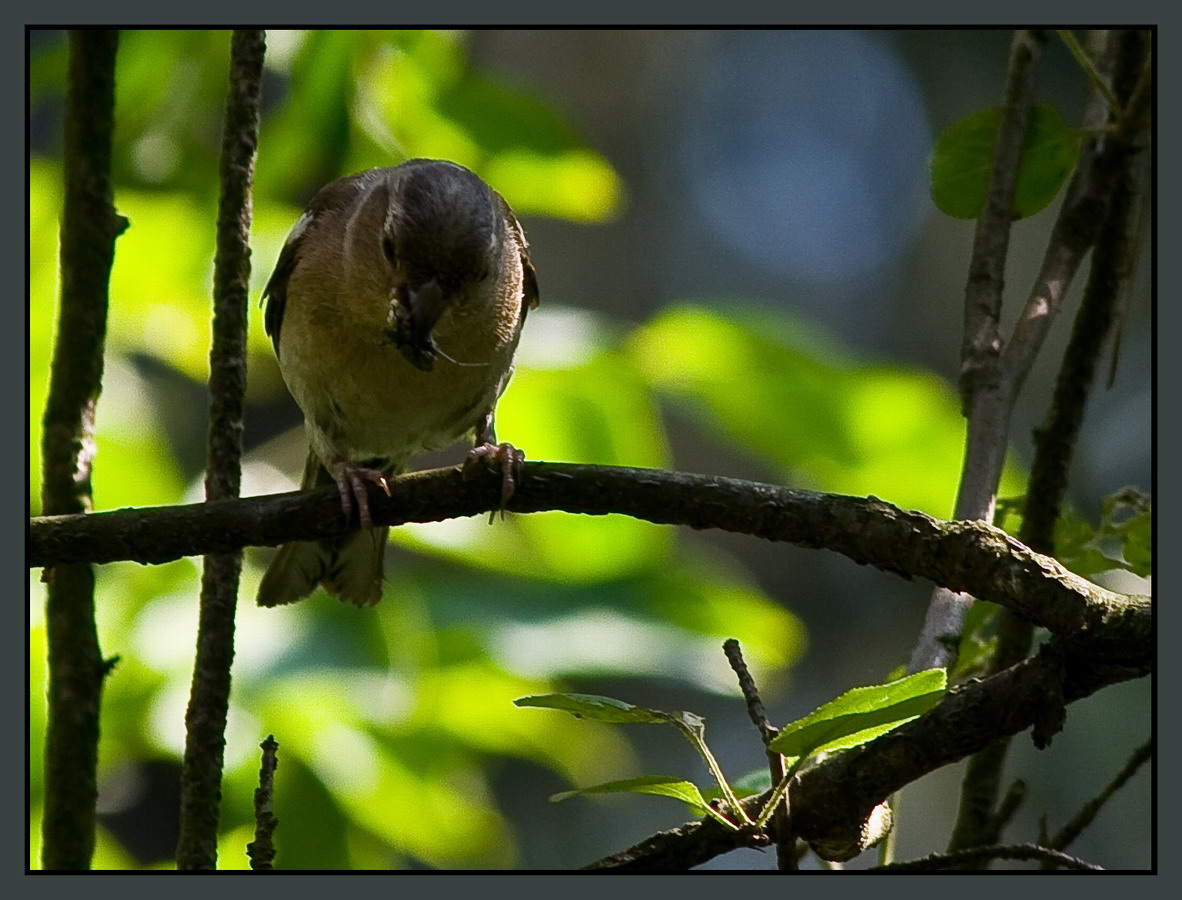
x=399, y=743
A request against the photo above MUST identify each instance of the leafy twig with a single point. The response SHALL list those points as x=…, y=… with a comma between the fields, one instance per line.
x=1112, y=263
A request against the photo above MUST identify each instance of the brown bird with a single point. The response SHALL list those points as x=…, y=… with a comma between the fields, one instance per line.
x=395, y=309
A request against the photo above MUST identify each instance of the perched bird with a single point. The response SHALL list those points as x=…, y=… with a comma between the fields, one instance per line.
x=395, y=308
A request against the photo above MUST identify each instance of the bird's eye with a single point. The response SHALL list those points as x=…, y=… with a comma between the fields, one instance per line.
x=388, y=249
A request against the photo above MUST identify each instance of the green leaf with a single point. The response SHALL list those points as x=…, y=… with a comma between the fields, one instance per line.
x=963, y=157
x=660, y=785
x=862, y=714
x=593, y=706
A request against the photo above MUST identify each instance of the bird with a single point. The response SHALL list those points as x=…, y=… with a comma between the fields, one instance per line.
x=395, y=309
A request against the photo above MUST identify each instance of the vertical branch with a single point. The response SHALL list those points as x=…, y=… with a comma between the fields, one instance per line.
x=981, y=344
x=209, y=698
x=90, y=226
x=1112, y=265
x=983, y=401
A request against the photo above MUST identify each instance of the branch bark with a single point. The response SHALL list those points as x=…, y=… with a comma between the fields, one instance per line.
x=209, y=699
x=965, y=556
x=76, y=668
x=984, y=402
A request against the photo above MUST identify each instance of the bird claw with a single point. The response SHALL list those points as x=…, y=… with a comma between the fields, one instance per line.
x=512, y=465
x=352, y=484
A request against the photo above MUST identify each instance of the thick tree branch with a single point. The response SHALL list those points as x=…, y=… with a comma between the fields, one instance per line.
x=965, y=556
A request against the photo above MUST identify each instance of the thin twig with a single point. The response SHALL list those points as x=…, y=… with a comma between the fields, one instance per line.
x=1069, y=832
x=956, y=859
x=734, y=655
x=76, y=668
x=786, y=858
x=1009, y=805
x=1097, y=80
x=209, y=698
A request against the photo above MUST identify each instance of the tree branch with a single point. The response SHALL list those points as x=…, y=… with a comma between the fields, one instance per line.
x=966, y=556
x=76, y=668
x=1073, y=829
x=964, y=859
x=981, y=345
x=1103, y=161
x=1113, y=261
x=983, y=400
x=209, y=699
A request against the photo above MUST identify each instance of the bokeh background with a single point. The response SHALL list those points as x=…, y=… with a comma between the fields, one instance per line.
x=742, y=273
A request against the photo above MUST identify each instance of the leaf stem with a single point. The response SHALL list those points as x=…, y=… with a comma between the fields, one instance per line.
x=695, y=738
x=779, y=792
x=1085, y=63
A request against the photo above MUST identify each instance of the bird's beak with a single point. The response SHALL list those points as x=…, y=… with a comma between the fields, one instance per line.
x=414, y=311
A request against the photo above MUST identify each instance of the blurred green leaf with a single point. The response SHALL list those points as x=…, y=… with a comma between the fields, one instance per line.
x=576, y=400
x=963, y=157
x=862, y=714
x=417, y=98
x=304, y=144
x=776, y=388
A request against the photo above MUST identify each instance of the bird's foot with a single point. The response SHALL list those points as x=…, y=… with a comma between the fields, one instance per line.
x=511, y=462
x=353, y=484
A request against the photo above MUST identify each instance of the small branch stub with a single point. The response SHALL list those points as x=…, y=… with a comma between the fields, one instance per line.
x=261, y=850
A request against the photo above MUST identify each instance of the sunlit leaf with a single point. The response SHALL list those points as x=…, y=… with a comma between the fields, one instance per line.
x=862, y=714
x=660, y=785
x=592, y=706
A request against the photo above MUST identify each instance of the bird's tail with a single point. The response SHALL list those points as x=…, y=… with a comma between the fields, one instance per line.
x=349, y=567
